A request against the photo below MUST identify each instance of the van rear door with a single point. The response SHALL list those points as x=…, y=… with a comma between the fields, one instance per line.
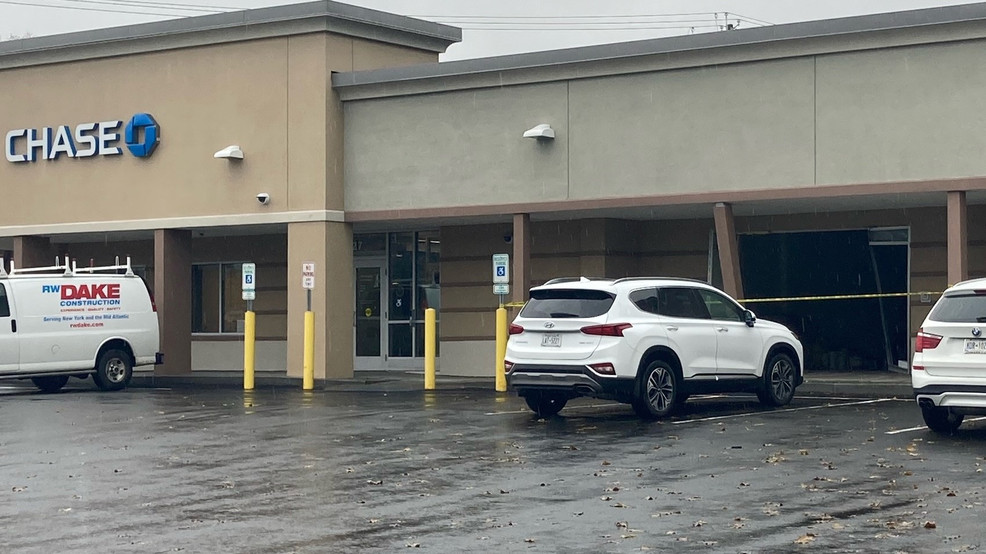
x=9, y=344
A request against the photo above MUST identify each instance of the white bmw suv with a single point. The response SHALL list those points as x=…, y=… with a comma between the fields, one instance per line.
x=650, y=342
x=948, y=372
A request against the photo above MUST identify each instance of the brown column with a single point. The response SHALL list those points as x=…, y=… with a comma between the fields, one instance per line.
x=33, y=252
x=732, y=282
x=522, y=257
x=958, y=244
x=173, y=297
x=329, y=245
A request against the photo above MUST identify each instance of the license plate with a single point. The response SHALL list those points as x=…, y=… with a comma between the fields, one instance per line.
x=975, y=346
x=551, y=339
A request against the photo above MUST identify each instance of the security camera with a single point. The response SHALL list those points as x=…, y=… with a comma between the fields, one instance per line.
x=508, y=238
x=263, y=198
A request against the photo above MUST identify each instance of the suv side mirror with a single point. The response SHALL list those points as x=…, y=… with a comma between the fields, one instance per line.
x=749, y=317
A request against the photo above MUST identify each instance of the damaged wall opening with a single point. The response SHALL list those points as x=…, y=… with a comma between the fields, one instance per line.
x=842, y=334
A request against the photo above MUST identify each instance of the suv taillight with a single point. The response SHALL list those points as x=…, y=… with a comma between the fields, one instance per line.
x=507, y=366
x=515, y=329
x=607, y=330
x=926, y=341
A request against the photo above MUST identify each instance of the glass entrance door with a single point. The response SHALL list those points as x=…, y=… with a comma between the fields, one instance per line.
x=369, y=323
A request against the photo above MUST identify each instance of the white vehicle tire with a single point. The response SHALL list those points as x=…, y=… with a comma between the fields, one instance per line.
x=114, y=370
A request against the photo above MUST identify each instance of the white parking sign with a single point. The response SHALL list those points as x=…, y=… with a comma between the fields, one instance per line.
x=249, y=272
x=308, y=275
x=501, y=268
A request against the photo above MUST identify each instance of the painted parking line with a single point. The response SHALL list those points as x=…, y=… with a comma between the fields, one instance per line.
x=854, y=402
x=786, y=410
x=923, y=427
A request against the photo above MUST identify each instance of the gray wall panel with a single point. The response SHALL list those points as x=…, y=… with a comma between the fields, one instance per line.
x=456, y=149
x=737, y=127
x=903, y=114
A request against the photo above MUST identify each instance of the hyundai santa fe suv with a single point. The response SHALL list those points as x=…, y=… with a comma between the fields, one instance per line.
x=948, y=372
x=650, y=342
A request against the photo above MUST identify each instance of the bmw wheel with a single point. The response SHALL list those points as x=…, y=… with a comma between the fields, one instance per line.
x=941, y=420
x=779, y=380
x=114, y=370
x=657, y=391
x=546, y=404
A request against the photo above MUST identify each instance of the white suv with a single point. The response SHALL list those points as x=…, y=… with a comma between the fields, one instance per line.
x=948, y=372
x=650, y=342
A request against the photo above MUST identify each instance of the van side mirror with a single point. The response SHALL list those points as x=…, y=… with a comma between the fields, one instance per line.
x=749, y=317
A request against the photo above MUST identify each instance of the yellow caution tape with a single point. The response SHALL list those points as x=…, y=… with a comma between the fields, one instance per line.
x=800, y=298
x=837, y=297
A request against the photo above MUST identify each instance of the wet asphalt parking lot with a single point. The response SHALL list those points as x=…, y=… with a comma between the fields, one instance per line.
x=278, y=470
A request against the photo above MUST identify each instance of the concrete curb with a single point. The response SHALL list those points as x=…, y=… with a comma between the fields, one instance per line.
x=840, y=385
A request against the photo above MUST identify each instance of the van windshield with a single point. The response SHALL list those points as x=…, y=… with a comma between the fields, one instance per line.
x=567, y=303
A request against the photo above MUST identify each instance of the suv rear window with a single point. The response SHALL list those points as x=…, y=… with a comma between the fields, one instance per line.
x=561, y=303
x=960, y=308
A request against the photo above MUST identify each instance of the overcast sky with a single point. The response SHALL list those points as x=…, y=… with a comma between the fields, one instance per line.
x=490, y=27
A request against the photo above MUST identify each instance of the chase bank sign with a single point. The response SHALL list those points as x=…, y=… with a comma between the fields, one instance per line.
x=141, y=136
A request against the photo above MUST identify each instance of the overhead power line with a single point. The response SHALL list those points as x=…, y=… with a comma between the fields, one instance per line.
x=140, y=8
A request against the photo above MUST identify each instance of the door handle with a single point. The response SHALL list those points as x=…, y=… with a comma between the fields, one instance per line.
x=672, y=327
x=722, y=329
x=13, y=325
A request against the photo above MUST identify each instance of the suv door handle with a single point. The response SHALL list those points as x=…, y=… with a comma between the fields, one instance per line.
x=672, y=327
x=722, y=329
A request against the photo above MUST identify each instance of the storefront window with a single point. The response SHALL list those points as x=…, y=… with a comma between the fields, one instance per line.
x=216, y=300
x=428, y=281
x=401, y=293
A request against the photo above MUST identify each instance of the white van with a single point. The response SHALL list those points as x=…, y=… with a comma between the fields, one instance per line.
x=64, y=321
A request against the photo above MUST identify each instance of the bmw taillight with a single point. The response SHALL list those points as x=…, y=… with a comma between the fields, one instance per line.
x=926, y=341
x=515, y=329
x=607, y=330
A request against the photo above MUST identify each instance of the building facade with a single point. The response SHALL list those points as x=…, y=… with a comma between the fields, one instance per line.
x=828, y=173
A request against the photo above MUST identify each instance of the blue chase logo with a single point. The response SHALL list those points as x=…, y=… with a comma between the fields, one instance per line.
x=141, y=136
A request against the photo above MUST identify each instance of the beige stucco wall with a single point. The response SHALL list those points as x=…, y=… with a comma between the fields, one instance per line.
x=889, y=115
x=197, y=98
x=901, y=114
x=269, y=96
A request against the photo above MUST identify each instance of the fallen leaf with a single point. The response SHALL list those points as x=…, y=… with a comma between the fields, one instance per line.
x=930, y=525
x=805, y=539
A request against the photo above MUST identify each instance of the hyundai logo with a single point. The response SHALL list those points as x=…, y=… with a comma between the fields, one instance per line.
x=976, y=331
x=549, y=325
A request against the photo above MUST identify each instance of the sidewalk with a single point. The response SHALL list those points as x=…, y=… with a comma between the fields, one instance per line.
x=849, y=384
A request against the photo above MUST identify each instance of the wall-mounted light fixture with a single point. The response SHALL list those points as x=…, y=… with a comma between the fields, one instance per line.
x=233, y=151
x=540, y=132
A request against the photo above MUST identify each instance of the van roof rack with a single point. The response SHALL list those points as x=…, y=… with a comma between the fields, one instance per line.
x=65, y=268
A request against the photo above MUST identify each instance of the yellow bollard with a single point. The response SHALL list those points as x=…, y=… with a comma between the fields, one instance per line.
x=430, y=349
x=249, y=349
x=501, y=348
x=308, y=375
